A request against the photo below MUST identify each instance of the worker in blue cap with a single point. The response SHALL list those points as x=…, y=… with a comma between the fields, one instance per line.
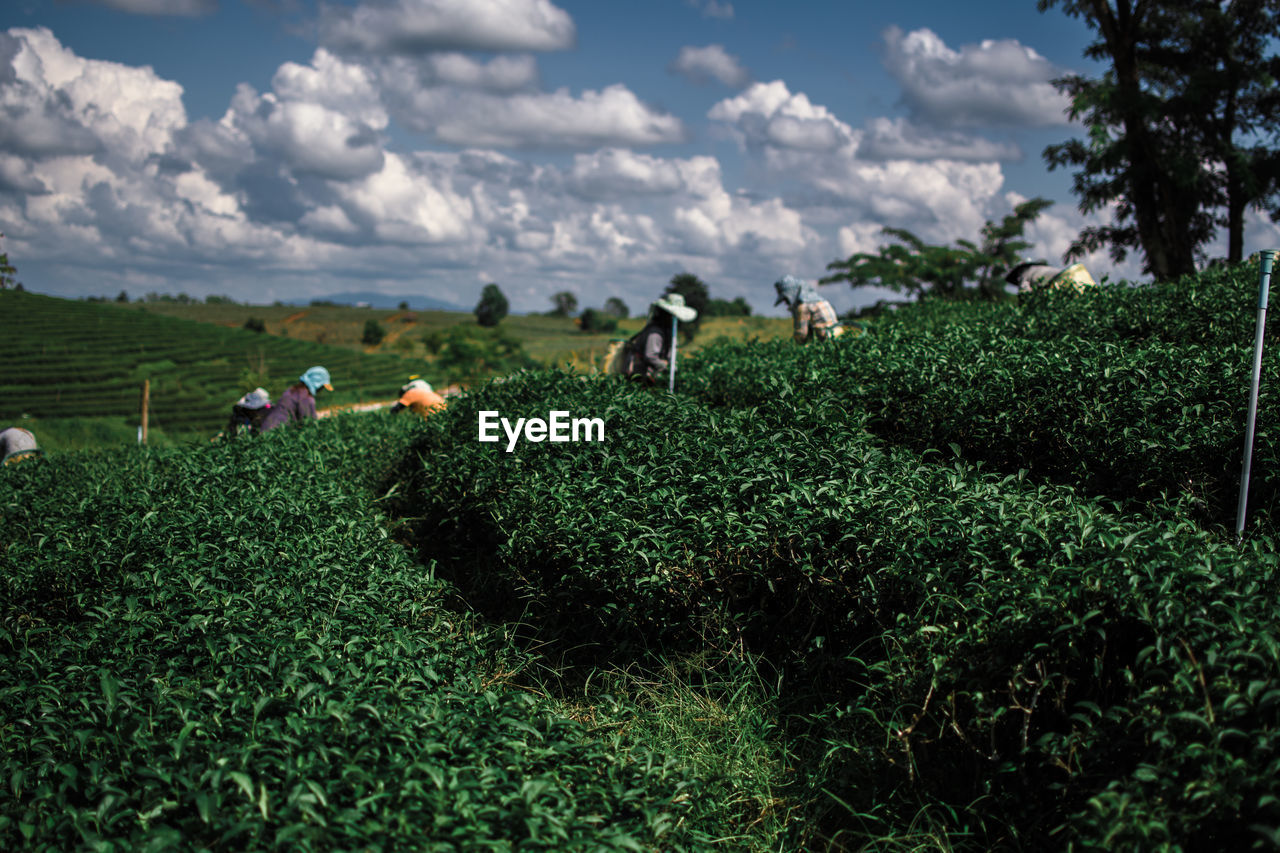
x=298, y=402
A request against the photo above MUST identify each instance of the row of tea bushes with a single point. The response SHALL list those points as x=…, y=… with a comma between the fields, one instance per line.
x=1215, y=308
x=222, y=648
x=1046, y=670
x=1138, y=423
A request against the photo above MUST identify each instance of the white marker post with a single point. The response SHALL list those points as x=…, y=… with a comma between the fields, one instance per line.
x=671, y=382
x=1264, y=284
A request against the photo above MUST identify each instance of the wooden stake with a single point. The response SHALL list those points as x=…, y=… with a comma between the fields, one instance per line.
x=146, y=404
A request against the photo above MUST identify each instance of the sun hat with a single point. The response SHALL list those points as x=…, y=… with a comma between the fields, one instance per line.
x=416, y=385
x=673, y=304
x=316, y=378
x=793, y=291
x=255, y=399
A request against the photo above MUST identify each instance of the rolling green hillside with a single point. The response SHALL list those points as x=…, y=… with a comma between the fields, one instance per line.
x=69, y=359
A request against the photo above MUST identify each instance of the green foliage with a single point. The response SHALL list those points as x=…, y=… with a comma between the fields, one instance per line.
x=373, y=333
x=914, y=267
x=597, y=322
x=1180, y=126
x=738, y=307
x=950, y=641
x=615, y=306
x=467, y=353
x=8, y=272
x=255, y=324
x=492, y=306
x=215, y=299
x=565, y=302
x=696, y=296
x=858, y=596
x=68, y=358
x=200, y=652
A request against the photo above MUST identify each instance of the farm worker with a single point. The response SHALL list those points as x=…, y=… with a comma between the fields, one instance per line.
x=815, y=319
x=647, y=355
x=1035, y=276
x=17, y=444
x=419, y=397
x=298, y=402
x=248, y=413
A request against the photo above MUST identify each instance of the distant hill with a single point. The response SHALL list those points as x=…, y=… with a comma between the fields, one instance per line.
x=383, y=300
x=67, y=358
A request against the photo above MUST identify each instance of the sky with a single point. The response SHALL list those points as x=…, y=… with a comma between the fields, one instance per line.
x=289, y=149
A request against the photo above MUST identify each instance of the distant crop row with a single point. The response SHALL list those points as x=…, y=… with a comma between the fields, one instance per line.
x=192, y=664
x=67, y=358
x=1049, y=670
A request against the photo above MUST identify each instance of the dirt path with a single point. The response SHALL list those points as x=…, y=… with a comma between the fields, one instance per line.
x=375, y=405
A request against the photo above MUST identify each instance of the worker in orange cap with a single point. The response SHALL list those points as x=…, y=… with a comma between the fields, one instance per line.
x=419, y=397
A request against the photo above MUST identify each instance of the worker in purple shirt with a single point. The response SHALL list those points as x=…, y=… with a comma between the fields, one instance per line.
x=298, y=402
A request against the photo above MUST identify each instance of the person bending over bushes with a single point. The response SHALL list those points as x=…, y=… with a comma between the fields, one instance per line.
x=813, y=316
x=298, y=402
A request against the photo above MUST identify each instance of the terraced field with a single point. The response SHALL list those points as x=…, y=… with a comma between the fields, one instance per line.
x=75, y=359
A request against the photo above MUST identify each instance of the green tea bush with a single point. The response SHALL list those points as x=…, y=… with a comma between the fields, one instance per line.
x=222, y=648
x=1049, y=671
x=1131, y=422
x=1214, y=308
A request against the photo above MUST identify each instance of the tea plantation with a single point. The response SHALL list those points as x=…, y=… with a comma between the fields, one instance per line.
x=66, y=359
x=965, y=582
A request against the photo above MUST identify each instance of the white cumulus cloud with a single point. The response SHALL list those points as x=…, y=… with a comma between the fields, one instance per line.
x=381, y=27
x=769, y=115
x=899, y=139
x=702, y=64
x=559, y=119
x=990, y=83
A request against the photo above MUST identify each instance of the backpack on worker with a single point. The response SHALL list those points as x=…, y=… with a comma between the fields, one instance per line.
x=623, y=356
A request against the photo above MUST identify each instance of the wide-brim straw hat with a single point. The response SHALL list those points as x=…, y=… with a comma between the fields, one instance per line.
x=673, y=304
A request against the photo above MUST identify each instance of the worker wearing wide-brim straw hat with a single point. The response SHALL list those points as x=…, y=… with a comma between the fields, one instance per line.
x=298, y=402
x=649, y=352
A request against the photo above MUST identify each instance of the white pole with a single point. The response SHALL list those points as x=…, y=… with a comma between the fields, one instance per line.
x=671, y=382
x=1264, y=284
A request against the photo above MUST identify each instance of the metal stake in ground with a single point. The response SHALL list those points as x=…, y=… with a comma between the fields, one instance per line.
x=671, y=381
x=1264, y=284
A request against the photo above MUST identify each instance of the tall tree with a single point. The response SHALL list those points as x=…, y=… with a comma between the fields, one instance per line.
x=1169, y=124
x=7, y=271
x=615, y=306
x=492, y=306
x=915, y=267
x=696, y=295
x=1225, y=86
x=565, y=304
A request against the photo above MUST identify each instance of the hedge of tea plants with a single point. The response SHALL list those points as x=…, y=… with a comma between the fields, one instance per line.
x=222, y=648
x=1215, y=308
x=1022, y=664
x=1133, y=421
